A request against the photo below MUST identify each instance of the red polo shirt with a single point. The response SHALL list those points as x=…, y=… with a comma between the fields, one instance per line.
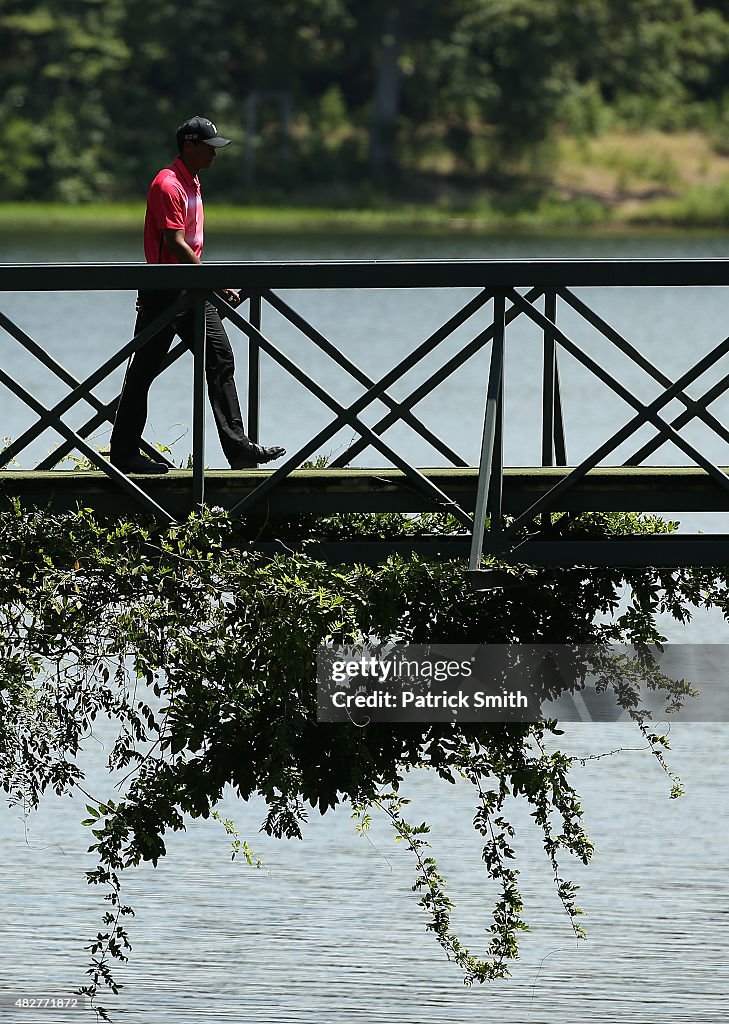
x=174, y=202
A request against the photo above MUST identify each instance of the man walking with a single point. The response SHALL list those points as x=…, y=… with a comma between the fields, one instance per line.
x=173, y=233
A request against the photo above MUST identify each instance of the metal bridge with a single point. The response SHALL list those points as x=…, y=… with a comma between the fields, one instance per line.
x=513, y=513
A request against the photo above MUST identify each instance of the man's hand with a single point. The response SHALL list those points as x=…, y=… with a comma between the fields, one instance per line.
x=230, y=295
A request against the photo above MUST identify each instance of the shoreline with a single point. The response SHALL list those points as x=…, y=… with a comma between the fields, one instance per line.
x=674, y=216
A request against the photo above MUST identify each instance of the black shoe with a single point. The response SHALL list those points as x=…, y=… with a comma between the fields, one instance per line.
x=258, y=454
x=138, y=464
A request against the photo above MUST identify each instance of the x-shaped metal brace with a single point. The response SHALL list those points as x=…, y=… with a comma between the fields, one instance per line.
x=349, y=415
x=644, y=414
x=80, y=390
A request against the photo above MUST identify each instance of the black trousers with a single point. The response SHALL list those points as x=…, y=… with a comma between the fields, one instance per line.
x=131, y=414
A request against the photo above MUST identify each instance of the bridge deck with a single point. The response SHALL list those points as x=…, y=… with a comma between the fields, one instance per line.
x=326, y=491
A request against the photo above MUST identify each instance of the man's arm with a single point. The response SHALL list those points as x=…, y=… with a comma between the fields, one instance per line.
x=175, y=239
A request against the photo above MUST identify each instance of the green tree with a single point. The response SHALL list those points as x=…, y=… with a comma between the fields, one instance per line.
x=514, y=63
x=203, y=653
x=650, y=57
x=61, y=58
x=92, y=90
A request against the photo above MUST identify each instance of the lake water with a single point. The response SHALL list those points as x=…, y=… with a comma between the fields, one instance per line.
x=331, y=931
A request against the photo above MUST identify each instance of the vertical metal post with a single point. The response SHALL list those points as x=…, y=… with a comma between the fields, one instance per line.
x=491, y=452
x=254, y=372
x=548, y=382
x=548, y=391
x=496, y=484
x=198, y=400
x=560, y=445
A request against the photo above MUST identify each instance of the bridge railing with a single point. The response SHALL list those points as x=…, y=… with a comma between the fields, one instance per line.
x=257, y=282
x=522, y=288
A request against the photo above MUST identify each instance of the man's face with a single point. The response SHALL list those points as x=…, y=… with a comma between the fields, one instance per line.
x=199, y=156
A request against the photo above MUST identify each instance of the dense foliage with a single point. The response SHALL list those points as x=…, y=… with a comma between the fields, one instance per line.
x=91, y=91
x=203, y=654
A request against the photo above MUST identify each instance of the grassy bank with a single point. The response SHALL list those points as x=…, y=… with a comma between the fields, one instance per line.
x=614, y=182
x=701, y=210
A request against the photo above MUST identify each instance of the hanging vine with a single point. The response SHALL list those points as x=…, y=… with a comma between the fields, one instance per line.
x=203, y=654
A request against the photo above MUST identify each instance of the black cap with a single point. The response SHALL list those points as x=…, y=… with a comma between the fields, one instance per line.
x=199, y=129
